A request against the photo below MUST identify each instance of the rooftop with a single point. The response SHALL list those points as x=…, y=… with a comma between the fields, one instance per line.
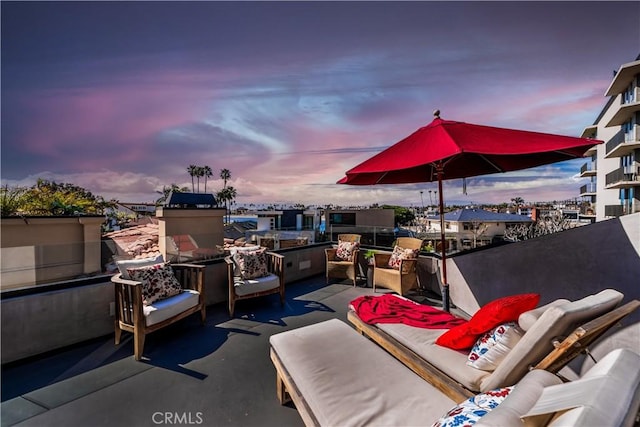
x=466, y=215
x=220, y=372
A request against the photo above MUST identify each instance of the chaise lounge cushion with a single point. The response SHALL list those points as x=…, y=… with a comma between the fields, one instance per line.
x=532, y=347
x=345, y=379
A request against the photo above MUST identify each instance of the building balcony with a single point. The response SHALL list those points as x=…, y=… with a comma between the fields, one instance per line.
x=588, y=169
x=624, y=113
x=623, y=178
x=588, y=190
x=620, y=210
x=623, y=143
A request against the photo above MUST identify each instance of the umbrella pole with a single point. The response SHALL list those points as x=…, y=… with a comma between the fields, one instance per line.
x=445, y=284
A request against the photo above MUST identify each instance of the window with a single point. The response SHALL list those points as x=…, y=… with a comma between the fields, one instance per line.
x=342, y=219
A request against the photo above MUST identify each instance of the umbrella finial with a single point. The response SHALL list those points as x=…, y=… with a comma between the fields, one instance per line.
x=436, y=114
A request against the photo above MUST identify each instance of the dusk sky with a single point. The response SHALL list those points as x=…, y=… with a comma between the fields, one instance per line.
x=121, y=97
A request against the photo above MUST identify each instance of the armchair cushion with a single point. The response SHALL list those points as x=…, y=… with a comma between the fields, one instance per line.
x=346, y=249
x=251, y=264
x=158, y=282
x=399, y=254
x=169, y=307
x=244, y=287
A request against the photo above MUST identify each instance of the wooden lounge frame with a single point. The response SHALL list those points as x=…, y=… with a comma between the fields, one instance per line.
x=565, y=351
x=129, y=307
x=287, y=391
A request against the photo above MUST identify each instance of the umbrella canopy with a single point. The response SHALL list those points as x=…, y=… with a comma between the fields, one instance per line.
x=447, y=149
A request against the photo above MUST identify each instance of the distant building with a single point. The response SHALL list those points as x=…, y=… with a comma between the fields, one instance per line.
x=614, y=167
x=471, y=228
x=141, y=208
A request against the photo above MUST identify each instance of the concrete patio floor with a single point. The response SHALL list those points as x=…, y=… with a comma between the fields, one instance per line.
x=219, y=374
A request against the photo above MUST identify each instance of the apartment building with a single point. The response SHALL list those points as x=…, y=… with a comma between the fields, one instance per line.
x=614, y=167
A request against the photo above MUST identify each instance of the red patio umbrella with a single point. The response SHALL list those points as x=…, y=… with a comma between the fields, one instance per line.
x=447, y=149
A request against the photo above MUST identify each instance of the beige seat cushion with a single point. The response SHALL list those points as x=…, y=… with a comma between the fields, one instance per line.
x=250, y=286
x=348, y=380
x=167, y=308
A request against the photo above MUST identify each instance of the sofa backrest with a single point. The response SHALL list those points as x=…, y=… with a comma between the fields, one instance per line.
x=555, y=323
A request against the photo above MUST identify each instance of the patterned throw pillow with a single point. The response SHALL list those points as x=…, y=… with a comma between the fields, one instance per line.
x=492, y=347
x=158, y=282
x=345, y=250
x=399, y=254
x=252, y=264
x=471, y=410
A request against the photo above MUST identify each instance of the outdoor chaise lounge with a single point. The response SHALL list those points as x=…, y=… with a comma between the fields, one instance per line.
x=336, y=377
x=545, y=328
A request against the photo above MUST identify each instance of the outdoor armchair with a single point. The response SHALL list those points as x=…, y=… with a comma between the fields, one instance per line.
x=397, y=271
x=342, y=261
x=133, y=315
x=254, y=272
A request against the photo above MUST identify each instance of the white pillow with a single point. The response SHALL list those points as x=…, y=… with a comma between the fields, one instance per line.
x=492, y=347
x=136, y=263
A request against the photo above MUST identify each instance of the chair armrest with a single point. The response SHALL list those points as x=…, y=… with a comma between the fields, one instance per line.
x=355, y=255
x=381, y=260
x=275, y=264
x=117, y=279
x=408, y=265
x=331, y=254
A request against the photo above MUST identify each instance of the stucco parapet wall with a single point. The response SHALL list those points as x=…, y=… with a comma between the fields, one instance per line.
x=48, y=220
x=189, y=213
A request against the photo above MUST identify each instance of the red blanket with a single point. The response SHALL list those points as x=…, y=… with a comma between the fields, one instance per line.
x=389, y=308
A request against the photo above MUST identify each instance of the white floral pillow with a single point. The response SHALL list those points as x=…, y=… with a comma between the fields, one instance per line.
x=492, y=347
x=158, y=282
x=252, y=264
x=471, y=410
x=399, y=254
x=346, y=249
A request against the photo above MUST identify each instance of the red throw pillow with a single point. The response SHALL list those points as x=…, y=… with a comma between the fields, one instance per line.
x=502, y=310
x=458, y=338
x=497, y=312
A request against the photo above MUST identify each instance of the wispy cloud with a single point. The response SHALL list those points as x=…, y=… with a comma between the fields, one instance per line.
x=290, y=95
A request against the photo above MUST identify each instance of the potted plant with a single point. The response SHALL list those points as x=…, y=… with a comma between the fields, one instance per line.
x=368, y=255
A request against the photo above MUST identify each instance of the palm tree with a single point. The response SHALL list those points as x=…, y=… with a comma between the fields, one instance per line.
x=208, y=173
x=192, y=169
x=168, y=189
x=225, y=175
x=228, y=195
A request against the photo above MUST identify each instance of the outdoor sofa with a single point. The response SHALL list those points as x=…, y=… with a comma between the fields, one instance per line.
x=337, y=377
x=555, y=332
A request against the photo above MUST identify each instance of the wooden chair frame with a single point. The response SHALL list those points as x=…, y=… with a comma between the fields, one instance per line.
x=275, y=265
x=129, y=314
x=564, y=352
